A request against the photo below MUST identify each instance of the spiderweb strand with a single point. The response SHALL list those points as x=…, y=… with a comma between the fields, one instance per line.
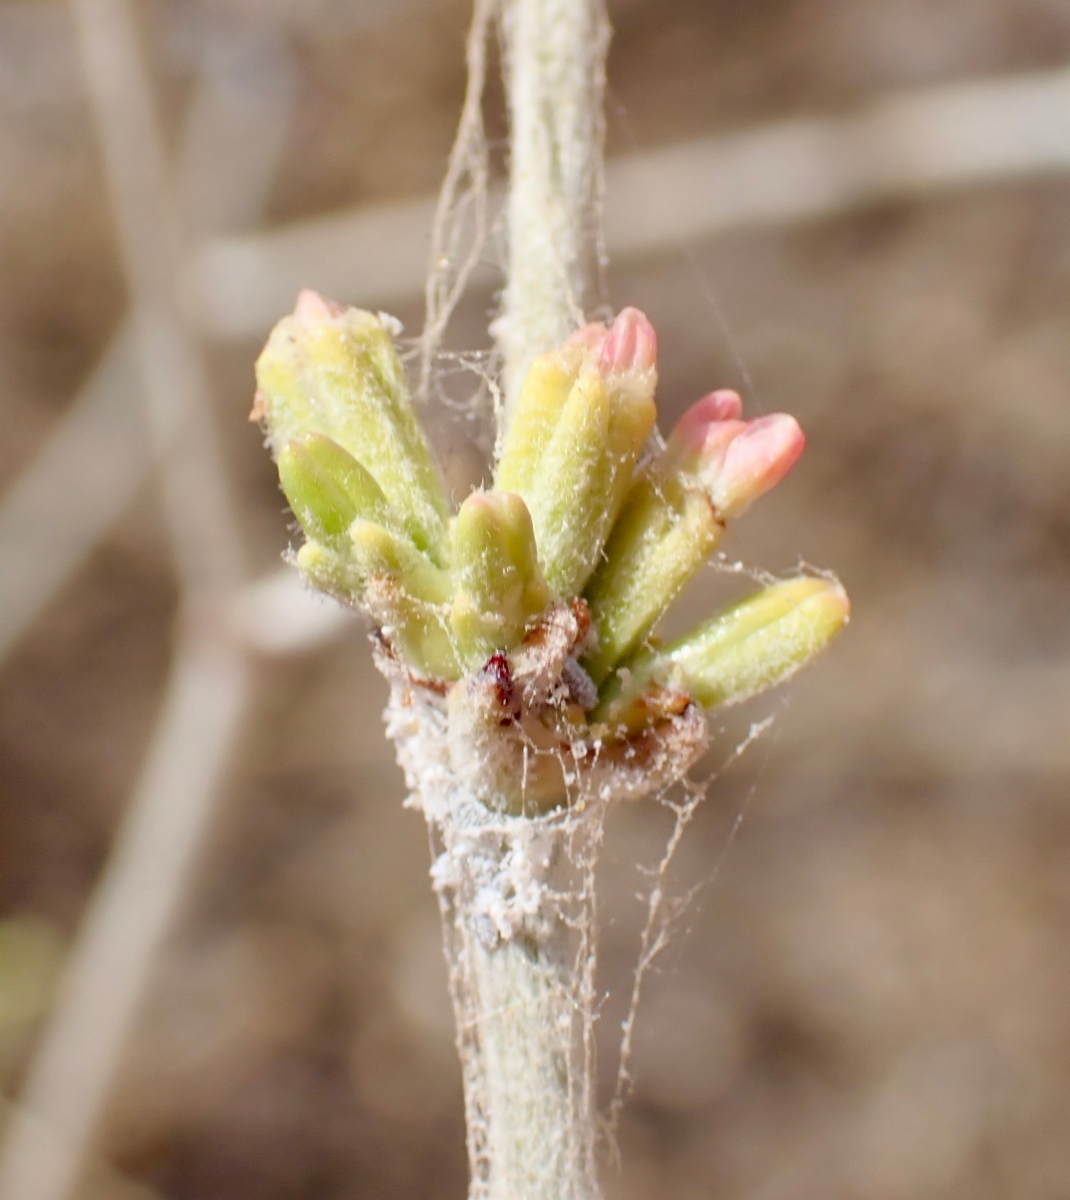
x=460, y=227
x=554, y=55
x=662, y=909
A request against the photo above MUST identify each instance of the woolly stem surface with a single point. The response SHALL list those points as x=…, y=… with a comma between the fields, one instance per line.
x=555, y=69
x=517, y=906
x=526, y=1039
x=517, y=909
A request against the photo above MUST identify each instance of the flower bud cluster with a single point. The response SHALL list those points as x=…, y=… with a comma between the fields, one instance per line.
x=573, y=516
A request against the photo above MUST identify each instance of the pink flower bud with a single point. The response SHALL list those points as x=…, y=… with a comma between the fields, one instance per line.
x=755, y=460
x=722, y=405
x=632, y=344
x=733, y=461
x=592, y=337
x=311, y=307
x=710, y=419
x=706, y=447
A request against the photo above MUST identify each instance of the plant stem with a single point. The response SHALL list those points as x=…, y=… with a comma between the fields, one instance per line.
x=540, y=1140
x=539, y=1125
x=555, y=67
x=519, y=983
x=518, y=948
x=527, y=1039
x=517, y=912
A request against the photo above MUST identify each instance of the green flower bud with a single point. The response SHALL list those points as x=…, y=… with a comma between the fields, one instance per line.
x=663, y=535
x=402, y=590
x=408, y=596
x=567, y=512
x=332, y=572
x=751, y=646
x=538, y=408
x=337, y=373
x=328, y=489
x=713, y=467
x=381, y=552
x=500, y=588
x=575, y=487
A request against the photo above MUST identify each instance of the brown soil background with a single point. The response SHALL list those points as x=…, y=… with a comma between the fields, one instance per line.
x=869, y=999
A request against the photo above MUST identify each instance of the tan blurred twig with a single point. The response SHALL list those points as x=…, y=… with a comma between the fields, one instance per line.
x=100, y=454
x=140, y=890
x=74, y=491
x=900, y=146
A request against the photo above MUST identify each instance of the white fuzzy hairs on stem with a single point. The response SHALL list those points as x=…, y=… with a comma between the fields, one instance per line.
x=555, y=53
x=516, y=892
x=516, y=895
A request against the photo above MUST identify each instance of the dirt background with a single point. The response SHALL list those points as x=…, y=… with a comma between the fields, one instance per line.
x=869, y=997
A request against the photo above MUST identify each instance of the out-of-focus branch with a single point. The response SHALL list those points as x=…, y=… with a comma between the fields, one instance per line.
x=100, y=454
x=140, y=890
x=197, y=509
x=74, y=491
x=902, y=146
x=49, y=1135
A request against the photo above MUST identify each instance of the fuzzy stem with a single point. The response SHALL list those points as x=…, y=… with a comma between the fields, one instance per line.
x=521, y=997
x=516, y=896
x=540, y=1140
x=519, y=975
x=527, y=1039
x=555, y=66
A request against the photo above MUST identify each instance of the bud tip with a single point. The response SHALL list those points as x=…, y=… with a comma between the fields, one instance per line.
x=311, y=307
x=632, y=344
x=722, y=405
x=756, y=460
x=591, y=337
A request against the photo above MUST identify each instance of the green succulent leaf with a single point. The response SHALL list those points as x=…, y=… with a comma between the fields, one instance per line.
x=568, y=515
x=746, y=648
x=582, y=418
